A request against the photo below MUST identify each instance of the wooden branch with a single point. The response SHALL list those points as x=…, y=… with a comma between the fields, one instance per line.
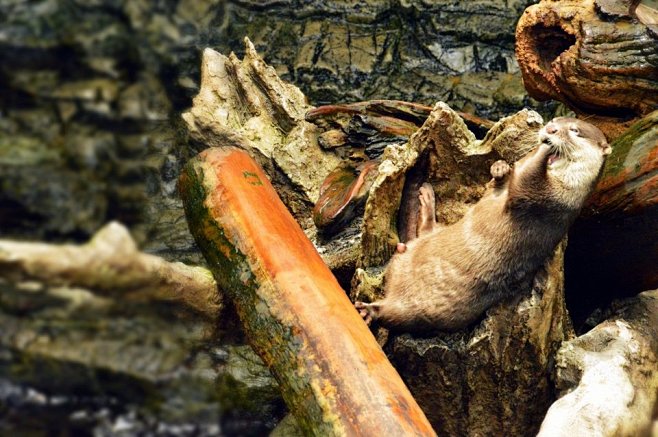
x=334, y=377
x=609, y=376
x=110, y=263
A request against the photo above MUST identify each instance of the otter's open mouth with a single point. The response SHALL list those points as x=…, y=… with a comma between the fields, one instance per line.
x=553, y=157
x=556, y=152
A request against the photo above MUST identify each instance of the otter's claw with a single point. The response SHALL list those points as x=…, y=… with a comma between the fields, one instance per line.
x=365, y=311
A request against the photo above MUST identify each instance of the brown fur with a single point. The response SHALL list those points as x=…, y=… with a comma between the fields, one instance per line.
x=447, y=277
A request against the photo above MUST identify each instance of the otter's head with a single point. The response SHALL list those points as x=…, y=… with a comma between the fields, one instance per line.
x=574, y=140
x=578, y=150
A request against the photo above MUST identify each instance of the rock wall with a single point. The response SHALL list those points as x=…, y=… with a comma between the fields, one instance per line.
x=90, y=93
x=457, y=52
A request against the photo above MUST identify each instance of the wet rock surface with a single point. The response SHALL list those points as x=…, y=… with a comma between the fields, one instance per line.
x=96, y=89
x=420, y=52
x=88, y=121
x=76, y=361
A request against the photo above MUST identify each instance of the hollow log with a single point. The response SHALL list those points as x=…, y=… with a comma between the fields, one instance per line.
x=334, y=377
x=599, y=60
x=608, y=377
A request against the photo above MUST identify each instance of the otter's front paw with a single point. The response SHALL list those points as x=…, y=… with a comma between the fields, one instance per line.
x=499, y=170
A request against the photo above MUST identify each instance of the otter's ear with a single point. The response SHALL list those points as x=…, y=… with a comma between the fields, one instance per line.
x=606, y=149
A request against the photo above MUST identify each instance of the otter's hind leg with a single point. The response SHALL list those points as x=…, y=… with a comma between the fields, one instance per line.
x=427, y=212
x=392, y=315
x=369, y=311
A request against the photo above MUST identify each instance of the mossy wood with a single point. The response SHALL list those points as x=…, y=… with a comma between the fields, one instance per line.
x=333, y=375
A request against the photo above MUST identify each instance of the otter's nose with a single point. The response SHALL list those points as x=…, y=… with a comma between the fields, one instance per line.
x=550, y=128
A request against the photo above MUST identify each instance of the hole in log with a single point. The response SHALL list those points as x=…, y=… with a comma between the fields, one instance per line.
x=608, y=259
x=549, y=43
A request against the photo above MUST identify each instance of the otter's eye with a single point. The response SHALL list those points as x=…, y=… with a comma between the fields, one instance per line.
x=574, y=129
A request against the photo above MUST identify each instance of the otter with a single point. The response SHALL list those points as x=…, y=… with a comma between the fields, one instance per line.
x=447, y=277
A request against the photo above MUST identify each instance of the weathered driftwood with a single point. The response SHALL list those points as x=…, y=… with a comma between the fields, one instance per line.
x=245, y=104
x=359, y=133
x=493, y=378
x=111, y=264
x=372, y=125
x=418, y=51
x=593, y=55
x=608, y=378
x=613, y=247
x=333, y=375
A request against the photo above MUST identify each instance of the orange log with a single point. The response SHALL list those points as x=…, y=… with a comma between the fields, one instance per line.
x=333, y=375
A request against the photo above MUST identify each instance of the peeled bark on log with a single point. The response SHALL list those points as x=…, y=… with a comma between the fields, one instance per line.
x=595, y=61
x=334, y=377
x=609, y=377
x=110, y=263
x=613, y=247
